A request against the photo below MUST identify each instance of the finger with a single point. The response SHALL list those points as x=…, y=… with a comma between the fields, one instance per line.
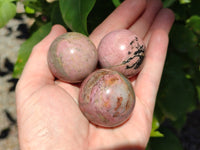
x=163, y=20
x=148, y=80
x=141, y=26
x=122, y=17
x=147, y=83
x=36, y=71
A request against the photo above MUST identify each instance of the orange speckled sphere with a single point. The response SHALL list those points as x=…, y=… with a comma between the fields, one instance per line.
x=106, y=98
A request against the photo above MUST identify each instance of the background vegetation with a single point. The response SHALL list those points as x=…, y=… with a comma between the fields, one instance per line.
x=179, y=92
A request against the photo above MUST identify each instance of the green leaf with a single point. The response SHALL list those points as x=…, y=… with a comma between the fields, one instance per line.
x=29, y=10
x=116, y=2
x=169, y=141
x=56, y=16
x=194, y=23
x=176, y=96
x=100, y=11
x=155, y=126
x=75, y=13
x=168, y=3
x=183, y=39
x=185, y=1
x=37, y=5
x=27, y=47
x=7, y=11
x=179, y=122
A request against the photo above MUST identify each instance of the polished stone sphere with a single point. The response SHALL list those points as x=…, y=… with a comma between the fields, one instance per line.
x=72, y=57
x=123, y=51
x=106, y=98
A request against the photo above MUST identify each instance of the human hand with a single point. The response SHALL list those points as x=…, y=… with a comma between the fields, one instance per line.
x=47, y=110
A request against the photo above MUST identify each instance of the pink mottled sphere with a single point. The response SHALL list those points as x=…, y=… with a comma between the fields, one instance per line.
x=72, y=57
x=123, y=51
x=106, y=98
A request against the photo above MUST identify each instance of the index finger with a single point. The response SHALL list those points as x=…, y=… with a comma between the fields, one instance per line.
x=148, y=80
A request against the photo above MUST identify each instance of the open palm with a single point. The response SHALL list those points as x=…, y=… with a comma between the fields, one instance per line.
x=48, y=113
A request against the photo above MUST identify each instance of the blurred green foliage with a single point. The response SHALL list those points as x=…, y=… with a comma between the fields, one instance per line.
x=7, y=11
x=180, y=85
x=27, y=46
x=179, y=91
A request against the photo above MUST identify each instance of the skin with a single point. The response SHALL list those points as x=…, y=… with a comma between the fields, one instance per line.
x=47, y=110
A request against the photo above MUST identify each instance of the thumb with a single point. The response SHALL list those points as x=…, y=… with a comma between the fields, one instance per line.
x=36, y=72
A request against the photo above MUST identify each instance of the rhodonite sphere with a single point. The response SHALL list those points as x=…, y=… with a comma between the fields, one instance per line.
x=72, y=57
x=106, y=98
x=123, y=51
